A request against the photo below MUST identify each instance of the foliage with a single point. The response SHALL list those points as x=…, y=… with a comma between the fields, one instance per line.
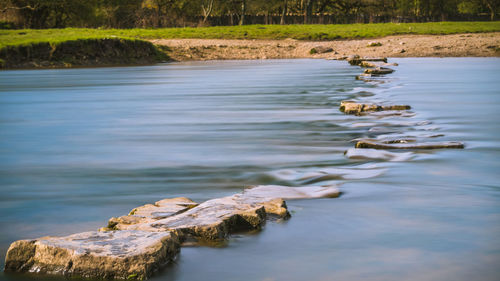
x=167, y=13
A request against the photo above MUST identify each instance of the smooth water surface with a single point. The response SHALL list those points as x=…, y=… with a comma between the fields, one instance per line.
x=78, y=146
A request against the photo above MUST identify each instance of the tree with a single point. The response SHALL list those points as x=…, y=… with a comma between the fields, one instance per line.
x=207, y=7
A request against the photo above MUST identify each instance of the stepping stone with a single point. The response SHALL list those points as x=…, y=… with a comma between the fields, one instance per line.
x=352, y=107
x=103, y=255
x=216, y=219
x=152, y=212
x=378, y=71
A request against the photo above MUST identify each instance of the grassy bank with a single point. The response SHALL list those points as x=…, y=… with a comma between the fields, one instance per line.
x=300, y=32
x=80, y=52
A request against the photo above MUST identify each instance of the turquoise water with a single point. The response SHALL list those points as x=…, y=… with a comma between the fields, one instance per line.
x=78, y=146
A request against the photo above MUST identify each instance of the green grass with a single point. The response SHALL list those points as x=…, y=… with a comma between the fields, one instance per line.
x=300, y=32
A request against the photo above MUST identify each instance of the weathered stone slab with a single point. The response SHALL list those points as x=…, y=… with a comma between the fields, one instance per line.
x=357, y=60
x=408, y=145
x=152, y=212
x=374, y=59
x=102, y=255
x=379, y=71
x=352, y=107
x=217, y=218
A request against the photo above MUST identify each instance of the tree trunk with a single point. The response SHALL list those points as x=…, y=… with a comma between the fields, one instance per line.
x=308, y=4
x=243, y=11
x=491, y=8
x=285, y=7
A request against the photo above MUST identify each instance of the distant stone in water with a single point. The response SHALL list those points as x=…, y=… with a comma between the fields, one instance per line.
x=354, y=59
x=354, y=153
x=102, y=255
x=402, y=144
x=352, y=107
x=389, y=113
x=379, y=71
x=320, y=50
x=357, y=60
x=382, y=59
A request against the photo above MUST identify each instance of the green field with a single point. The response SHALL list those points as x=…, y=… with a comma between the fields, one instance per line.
x=300, y=32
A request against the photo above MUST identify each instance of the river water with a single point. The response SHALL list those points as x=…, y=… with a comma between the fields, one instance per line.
x=78, y=146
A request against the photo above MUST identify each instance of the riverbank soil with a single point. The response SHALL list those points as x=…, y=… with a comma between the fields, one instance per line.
x=456, y=45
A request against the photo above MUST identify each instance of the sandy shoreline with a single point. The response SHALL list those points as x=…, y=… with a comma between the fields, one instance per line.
x=456, y=45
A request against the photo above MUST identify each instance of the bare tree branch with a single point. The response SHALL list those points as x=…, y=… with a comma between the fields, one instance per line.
x=19, y=8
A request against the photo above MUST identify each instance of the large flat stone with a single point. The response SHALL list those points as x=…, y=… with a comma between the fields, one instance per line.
x=379, y=70
x=217, y=218
x=152, y=212
x=103, y=255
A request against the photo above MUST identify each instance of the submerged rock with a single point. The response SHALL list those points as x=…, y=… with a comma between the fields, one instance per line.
x=326, y=176
x=402, y=144
x=103, y=255
x=337, y=58
x=285, y=192
x=352, y=107
x=355, y=153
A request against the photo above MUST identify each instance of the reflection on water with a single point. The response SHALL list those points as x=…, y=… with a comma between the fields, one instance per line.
x=78, y=146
